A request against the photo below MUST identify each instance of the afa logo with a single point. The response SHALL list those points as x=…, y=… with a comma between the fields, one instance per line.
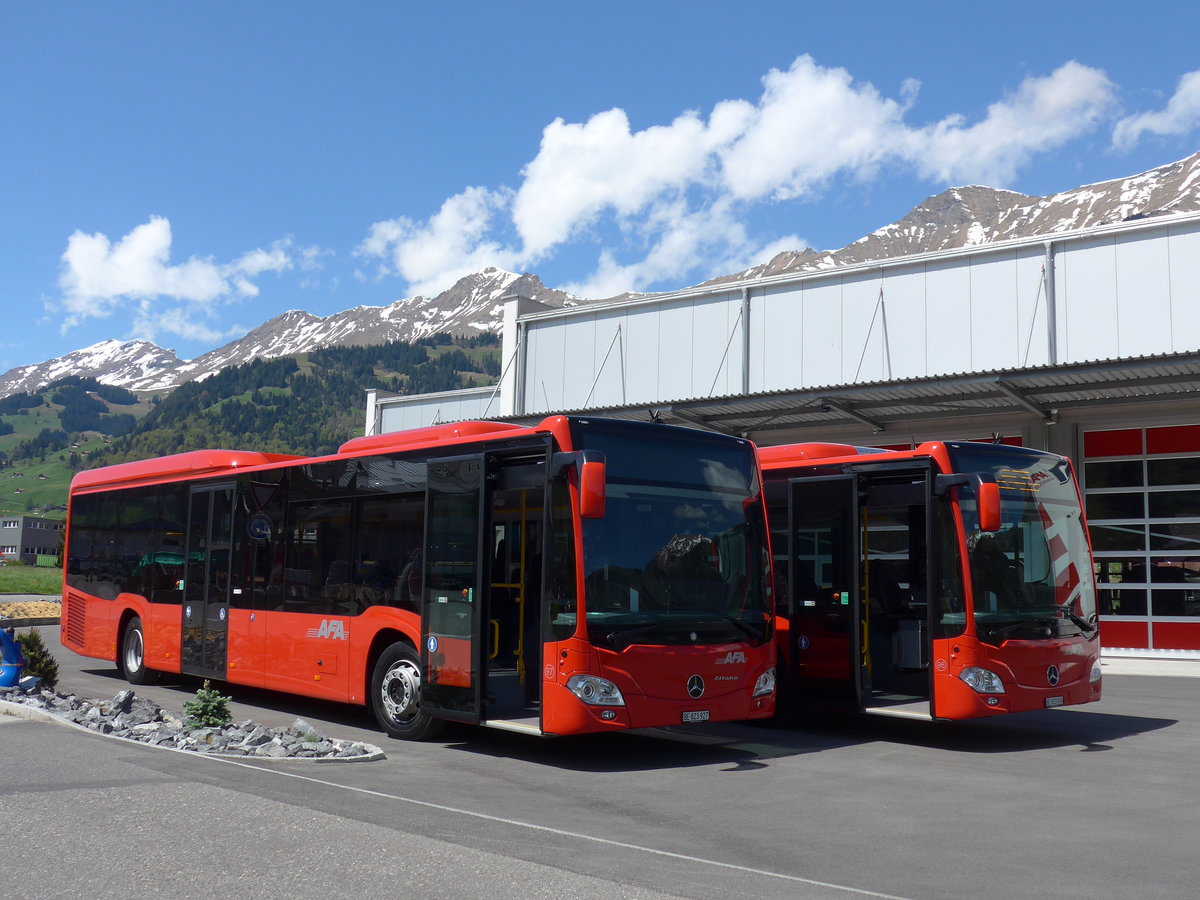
x=731, y=658
x=334, y=629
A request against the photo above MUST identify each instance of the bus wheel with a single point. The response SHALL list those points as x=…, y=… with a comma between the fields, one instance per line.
x=133, y=653
x=396, y=695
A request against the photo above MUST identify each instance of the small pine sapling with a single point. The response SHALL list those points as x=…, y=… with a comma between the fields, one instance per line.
x=38, y=659
x=207, y=710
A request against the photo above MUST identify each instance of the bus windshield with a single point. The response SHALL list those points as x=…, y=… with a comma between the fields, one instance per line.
x=1032, y=579
x=680, y=556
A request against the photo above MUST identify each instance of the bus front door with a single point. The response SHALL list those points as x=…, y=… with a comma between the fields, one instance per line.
x=206, y=582
x=823, y=590
x=894, y=616
x=513, y=615
x=451, y=607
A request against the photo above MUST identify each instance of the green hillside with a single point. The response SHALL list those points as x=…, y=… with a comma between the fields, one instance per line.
x=46, y=437
x=308, y=405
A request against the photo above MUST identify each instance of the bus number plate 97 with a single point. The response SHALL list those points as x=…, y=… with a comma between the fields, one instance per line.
x=695, y=715
x=1054, y=701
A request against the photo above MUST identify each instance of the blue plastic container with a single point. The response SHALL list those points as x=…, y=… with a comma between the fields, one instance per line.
x=12, y=661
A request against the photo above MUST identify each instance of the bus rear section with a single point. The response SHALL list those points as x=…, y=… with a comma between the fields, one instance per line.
x=574, y=576
x=951, y=581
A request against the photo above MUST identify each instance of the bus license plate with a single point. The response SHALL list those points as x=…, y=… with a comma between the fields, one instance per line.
x=695, y=715
x=1054, y=701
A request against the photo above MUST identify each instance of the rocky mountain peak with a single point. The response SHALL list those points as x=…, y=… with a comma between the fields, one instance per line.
x=958, y=217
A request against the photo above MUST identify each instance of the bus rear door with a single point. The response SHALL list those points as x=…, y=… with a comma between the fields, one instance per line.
x=206, y=582
x=451, y=607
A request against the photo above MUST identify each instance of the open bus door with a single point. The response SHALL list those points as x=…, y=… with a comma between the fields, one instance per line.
x=206, y=581
x=451, y=606
x=482, y=607
x=516, y=530
x=859, y=589
x=823, y=589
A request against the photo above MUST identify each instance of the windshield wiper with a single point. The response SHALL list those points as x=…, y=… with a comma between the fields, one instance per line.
x=1043, y=615
x=1077, y=619
x=1083, y=623
x=737, y=623
x=626, y=635
x=995, y=630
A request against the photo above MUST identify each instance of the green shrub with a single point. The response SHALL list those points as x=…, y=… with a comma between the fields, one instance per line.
x=208, y=709
x=38, y=660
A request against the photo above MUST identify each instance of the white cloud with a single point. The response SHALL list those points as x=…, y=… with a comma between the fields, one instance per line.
x=277, y=259
x=671, y=201
x=99, y=278
x=711, y=241
x=312, y=258
x=1180, y=116
x=432, y=255
x=1043, y=114
x=810, y=123
x=582, y=170
x=151, y=323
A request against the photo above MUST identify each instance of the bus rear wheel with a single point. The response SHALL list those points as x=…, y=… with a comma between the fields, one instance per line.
x=132, y=658
x=396, y=695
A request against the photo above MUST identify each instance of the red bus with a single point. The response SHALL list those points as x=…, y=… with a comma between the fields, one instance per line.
x=577, y=576
x=950, y=581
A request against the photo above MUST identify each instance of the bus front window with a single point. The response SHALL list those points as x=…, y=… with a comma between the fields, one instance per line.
x=680, y=556
x=1032, y=579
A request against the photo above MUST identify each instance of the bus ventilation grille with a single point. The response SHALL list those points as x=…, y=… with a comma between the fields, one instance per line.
x=73, y=610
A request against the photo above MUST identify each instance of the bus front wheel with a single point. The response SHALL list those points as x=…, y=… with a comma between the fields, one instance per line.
x=133, y=653
x=396, y=695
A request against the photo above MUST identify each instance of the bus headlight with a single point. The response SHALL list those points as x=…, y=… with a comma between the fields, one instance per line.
x=1095, y=676
x=765, y=683
x=982, y=681
x=595, y=691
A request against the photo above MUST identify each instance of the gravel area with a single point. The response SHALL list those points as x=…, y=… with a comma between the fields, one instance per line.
x=132, y=718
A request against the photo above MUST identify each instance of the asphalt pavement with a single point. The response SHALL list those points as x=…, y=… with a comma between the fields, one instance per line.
x=1089, y=802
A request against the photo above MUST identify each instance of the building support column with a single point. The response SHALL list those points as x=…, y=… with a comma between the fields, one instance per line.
x=745, y=341
x=1051, y=308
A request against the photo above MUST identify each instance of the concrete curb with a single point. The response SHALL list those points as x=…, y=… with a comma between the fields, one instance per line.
x=23, y=711
x=28, y=623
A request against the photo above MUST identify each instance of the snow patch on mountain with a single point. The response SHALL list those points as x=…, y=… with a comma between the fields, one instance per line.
x=472, y=306
x=967, y=216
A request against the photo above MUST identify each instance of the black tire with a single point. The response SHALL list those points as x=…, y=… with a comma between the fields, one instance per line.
x=396, y=696
x=132, y=656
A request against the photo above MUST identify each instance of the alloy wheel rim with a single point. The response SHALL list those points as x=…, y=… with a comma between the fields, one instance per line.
x=400, y=691
x=133, y=652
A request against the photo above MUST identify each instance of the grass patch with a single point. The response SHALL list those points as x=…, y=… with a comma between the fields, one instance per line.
x=30, y=580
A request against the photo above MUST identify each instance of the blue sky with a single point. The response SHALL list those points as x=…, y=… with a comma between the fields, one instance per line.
x=183, y=172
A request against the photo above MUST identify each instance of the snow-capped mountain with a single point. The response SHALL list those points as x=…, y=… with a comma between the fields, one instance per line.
x=974, y=215
x=123, y=363
x=958, y=217
x=472, y=306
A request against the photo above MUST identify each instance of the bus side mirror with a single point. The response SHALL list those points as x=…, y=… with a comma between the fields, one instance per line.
x=591, y=489
x=987, y=497
x=592, y=479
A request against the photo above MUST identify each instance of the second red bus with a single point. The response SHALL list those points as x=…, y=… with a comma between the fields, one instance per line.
x=950, y=581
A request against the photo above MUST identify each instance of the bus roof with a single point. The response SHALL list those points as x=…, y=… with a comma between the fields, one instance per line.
x=177, y=465
x=790, y=453
x=433, y=434
x=214, y=462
